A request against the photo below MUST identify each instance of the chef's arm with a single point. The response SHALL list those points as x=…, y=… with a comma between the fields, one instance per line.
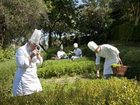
x=120, y=61
x=40, y=59
x=97, y=62
x=22, y=60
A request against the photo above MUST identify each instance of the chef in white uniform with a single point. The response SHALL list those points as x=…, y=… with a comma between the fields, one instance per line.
x=61, y=54
x=109, y=52
x=77, y=52
x=27, y=58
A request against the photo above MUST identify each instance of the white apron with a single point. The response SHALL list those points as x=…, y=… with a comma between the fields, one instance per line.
x=26, y=81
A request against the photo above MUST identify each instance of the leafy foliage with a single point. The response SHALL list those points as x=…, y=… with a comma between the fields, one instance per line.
x=57, y=68
x=93, y=19
x=115, y=91
x=126, y=24
x=60, y=16
x=7, y=70
x=6, y=54
x=131, y=58
x=19, y=17
x=126, y=10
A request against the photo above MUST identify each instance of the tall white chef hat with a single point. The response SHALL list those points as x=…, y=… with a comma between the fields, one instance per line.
x=35, y=38
x=75, y=45
x=92, y=45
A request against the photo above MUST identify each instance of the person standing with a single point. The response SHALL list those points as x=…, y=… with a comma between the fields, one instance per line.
x=28, y=58
x=109, y=52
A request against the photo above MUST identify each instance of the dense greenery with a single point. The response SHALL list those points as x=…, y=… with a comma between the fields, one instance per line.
x=83, y=89
x=57, y=68
x=130, y=57
x=94, y=20
x=61, y=14
x=126, y=24
x=100, y=21
x=128, y=53
x=19, y=18
x=84, y=66
x=79, y=92
x=72, y=82
x=7, y=71
x=6, y=54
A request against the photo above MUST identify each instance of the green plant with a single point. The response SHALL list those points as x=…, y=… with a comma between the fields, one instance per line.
x=115, y=65
x=58, y=68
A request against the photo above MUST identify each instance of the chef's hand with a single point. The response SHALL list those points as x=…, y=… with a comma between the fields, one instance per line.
x=98, y=73
x=97, y=69
x=38, y=54
x=35, y=52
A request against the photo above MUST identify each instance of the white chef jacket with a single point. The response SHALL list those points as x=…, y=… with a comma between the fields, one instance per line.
x=111, y=55
x=77, y=53
x=26, y=80
x=60, y=54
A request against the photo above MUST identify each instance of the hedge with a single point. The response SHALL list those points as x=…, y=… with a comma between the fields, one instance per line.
x=82, y=92
x=57, y=68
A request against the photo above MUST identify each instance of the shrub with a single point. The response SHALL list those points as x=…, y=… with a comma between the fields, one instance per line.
x=7, y=71
x=58, y=68
x=6, y=54
x=130, y=57
x=115, y=91
x=83, y=92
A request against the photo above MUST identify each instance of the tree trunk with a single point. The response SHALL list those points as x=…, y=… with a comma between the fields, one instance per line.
x=50, y=38
x=136, y=21
x=1, y=40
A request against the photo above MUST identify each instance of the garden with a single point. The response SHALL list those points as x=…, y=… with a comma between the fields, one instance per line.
x=74, y=82
x=65, y=22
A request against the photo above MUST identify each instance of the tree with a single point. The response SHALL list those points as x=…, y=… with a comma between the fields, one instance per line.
x=128, y=10
x=19, y=18
x=60, y=14
x=126, y=16
x=2, y=26
x=93, y=19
